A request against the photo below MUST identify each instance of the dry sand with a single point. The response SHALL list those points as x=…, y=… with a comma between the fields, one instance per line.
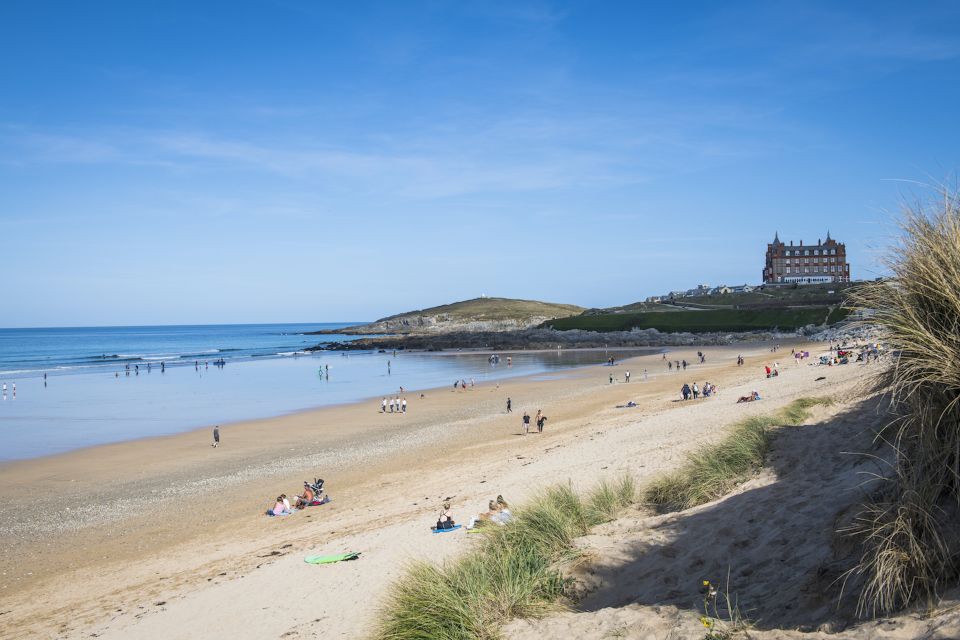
x=164, y=538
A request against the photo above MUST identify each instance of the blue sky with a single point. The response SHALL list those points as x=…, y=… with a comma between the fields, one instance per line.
x=184, y=162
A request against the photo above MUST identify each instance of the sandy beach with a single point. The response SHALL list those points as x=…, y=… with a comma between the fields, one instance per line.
x=165, y=537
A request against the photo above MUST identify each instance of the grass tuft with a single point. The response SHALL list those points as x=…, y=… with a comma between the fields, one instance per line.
x=910, y=549
x=513, y=572
x=714, y=470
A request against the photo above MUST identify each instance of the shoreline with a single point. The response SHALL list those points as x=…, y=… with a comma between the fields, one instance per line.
x=145, y=484
x=4, y=464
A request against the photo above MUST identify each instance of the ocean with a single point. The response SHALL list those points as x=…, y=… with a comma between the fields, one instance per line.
x=105, y=384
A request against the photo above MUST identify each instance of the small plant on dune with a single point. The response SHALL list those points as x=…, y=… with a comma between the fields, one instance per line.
x=513, y=572
x=722, y=622
x=716, y=469
x=908, y=530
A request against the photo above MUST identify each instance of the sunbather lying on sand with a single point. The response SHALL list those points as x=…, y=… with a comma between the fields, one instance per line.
x=750, y=398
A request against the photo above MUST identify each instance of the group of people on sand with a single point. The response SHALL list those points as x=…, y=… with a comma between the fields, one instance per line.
x=313, y=495
x=773, y=373
x=688, y=391
x=540, y=420
x=498, y=512
x=395, y=404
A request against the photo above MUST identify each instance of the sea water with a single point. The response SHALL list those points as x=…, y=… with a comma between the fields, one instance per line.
x=93, y=393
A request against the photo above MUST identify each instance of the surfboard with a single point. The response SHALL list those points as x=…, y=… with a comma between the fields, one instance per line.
x=453, y=528
x=331, y=559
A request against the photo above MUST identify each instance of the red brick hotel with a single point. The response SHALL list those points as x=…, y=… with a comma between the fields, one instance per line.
x=806, y=264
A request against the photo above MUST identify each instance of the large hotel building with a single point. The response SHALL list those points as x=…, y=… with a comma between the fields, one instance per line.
x=806, y=264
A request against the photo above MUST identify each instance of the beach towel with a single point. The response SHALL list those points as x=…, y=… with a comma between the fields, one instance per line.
x=317, y=503
x=340, y=557
x=453, y=528
x=277, y=515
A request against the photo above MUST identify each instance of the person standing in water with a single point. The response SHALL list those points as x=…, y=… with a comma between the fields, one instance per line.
x=216, y=436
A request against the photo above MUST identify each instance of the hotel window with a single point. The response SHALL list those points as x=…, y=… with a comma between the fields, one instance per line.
x=788, y=269
x=816, y=252
x=833, y=252
x=807, y=252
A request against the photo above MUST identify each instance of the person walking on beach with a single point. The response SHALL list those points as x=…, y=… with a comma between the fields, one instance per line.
x=216, y=436
x=627, y=376
x=611, y=378
x=391, y=405
x=509, y=403
x=526, y=423
x=540, y=420
x=383, y=405
x=404, y=405
x=644, y=374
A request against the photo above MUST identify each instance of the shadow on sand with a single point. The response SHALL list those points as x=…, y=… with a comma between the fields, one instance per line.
x=776, y=538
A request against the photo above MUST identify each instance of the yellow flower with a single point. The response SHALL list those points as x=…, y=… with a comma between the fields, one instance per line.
x=706, y=583
x=705, y=621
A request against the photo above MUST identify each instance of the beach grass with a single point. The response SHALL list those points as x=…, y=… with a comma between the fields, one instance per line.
x=786, y=319
x=910, y=549
x=514, y=571
x=714, y=470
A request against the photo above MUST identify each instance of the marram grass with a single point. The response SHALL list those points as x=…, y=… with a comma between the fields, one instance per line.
x=910, y=548
x=713, y=470
x=513, y=572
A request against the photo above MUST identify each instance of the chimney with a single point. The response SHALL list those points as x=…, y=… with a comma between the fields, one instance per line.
x=791, y=243
x=818, y=242
x=801, y=243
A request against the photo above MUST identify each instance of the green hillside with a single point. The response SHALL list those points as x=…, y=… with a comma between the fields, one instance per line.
x=719, y=320
x=492, y=309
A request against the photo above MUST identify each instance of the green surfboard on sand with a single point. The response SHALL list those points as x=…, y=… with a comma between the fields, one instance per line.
x=331, y=559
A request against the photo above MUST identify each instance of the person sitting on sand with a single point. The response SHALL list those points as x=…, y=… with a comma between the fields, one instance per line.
x=307, y=498
x=282, y=507
x=503, y=515
x=445, y=521
x=487, y=516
